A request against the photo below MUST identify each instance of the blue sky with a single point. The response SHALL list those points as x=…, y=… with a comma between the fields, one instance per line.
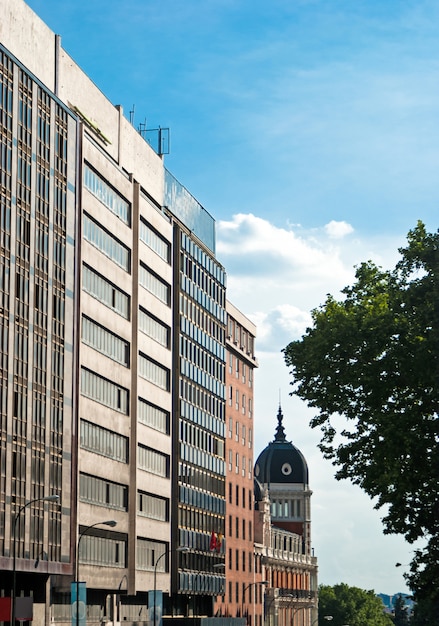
x=310, y=131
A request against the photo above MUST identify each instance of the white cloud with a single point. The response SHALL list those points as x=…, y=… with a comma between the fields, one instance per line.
x=276, y=276
x=338, y=230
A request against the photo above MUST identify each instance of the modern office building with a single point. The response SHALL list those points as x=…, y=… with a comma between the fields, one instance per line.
x=244, y=591
x=113, y=319
x=283, y=532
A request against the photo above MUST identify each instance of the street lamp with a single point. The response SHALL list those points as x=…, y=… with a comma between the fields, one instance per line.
x=14, y=548
x=111, y=523
x=258, y=582
x=180, y=549
x=328, y=618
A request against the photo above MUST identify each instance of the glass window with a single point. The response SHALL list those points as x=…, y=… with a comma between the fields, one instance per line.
x=106, y=243
x=154, y=241
x=107, y=195
x=105, y=342
x=104, y=391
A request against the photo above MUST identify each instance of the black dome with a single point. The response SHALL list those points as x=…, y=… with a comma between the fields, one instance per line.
x=281, y=462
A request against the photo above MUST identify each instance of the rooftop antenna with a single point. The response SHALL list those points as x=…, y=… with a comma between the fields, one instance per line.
x=132, y=115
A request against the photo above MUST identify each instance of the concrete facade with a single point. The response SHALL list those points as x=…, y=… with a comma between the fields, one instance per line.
x=140, y=375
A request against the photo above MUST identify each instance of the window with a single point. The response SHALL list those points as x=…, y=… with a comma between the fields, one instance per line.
x=103, y=441
x=243, y=433
x=102, y=551
x=148, y=553
x=154, y=372
x=155, y=329
x=153, y=416
x=152, y=461
x=107, y=195
x=243, y=404
x=230, y=427
x=154, y=241
x=104, y=291
x=155, y=285
x=105, y=342
x=236, y=431
x=106, y=243
x=237, y=463
x=154, y=507
x=237, y=400
x=103, y=492
x=104, y=391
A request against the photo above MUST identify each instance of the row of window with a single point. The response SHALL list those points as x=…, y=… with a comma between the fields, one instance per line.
x=202, y=418
x=110, y=344
x=104, y=291
x=101, y=239
x=105, y=342
x=240, y=336
x=198, y=478
x=197, y=498
x=245, y=467
x=202, y=339
x=243, y=593
x=211, y=265
x=154, y=240
x=153, y=461
x=286, y=508
x=203, y=400
x=203, y=459
x=243, y=560
x=154, y=372
x=154, y=284
x=241, y=402
x=201, y=521
x=196, y=293
x=200, y=438
x=107, y=195
x=241, y=433
x=200, y=357
x=240, y=531
x=200, y=319
x=103, y=492
x=200, y=377
x=198, y=275
x=236, y=366
x=240, y=497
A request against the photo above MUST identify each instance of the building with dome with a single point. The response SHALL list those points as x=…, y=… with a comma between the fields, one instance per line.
x=283, y=533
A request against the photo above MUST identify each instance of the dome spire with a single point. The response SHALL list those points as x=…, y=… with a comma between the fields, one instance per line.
x=280, y=432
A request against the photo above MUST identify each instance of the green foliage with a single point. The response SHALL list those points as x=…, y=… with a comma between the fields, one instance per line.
x=373, y=359
x=350, y=605
x=401, y=613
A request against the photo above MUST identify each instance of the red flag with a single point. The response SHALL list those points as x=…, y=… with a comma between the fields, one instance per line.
x=5, y=609
x=213, y=542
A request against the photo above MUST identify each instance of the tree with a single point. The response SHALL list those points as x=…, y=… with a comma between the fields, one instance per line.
x=401, y=614
x=350, y=605
x=372, y=359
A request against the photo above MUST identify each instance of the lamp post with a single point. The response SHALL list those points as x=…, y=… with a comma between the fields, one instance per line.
x=258, y=582
x=111, y=523
x=328, y=618
x=181, y=549
x=14, y=548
